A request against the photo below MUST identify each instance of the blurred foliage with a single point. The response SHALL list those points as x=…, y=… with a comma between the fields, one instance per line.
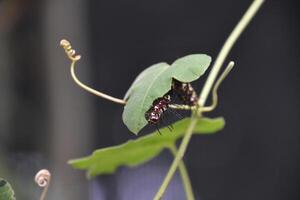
x=6, y=191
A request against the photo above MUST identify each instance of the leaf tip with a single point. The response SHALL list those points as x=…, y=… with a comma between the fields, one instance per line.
x=70, y=162
x=78, y=163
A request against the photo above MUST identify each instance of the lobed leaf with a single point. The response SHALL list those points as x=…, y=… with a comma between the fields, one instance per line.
x=156, y=81
x=6, y=191
x=139, y=151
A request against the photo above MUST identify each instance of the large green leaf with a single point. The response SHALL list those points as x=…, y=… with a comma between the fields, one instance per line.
x=136, y=152
x=6, y=191
x=156, y=81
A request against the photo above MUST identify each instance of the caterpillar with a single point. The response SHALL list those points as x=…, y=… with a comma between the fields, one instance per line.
x=159, y=106
x=185, y=92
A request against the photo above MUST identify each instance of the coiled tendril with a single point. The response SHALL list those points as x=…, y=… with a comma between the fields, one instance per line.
x=43, y=178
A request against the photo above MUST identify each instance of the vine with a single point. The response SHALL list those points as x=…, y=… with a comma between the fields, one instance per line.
x=151, y=84
x=237, y=31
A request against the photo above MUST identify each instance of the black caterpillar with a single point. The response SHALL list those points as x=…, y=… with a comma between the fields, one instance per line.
x=184, y=91
x=159, y=106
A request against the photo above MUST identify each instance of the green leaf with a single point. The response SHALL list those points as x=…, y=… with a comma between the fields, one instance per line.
x=6, y=191
x=139, y=151
x=156, y=81
x=189, y=68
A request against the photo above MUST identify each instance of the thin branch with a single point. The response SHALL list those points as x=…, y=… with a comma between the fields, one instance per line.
x=216, y=87
x=74, y=58
x=184, y=176
x=177, y=159
x=237, y=31
x=91, y=90
x=182, y=107
x=206, y=89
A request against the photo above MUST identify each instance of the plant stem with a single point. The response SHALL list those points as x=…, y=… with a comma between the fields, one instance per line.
x=177, y=159
x=91, y=90
x=254, y=7
x=216, y=87
x=74, y=58
x=184, y=176
x=237, y=31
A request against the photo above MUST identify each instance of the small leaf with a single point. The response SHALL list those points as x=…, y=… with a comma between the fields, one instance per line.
x=139, y=151
x=156, y=81
x=6, y=191
x=147, y=87
x=189, y=68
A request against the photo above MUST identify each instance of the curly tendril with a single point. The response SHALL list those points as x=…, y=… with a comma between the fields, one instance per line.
x=43, y=178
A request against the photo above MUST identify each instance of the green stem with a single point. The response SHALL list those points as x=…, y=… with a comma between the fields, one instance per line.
x=206, y=89
x=177, y=159
x=184, y=176
x=235, y=34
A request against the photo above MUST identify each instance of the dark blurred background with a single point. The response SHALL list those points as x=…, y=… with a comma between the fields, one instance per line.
x=45, y=119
